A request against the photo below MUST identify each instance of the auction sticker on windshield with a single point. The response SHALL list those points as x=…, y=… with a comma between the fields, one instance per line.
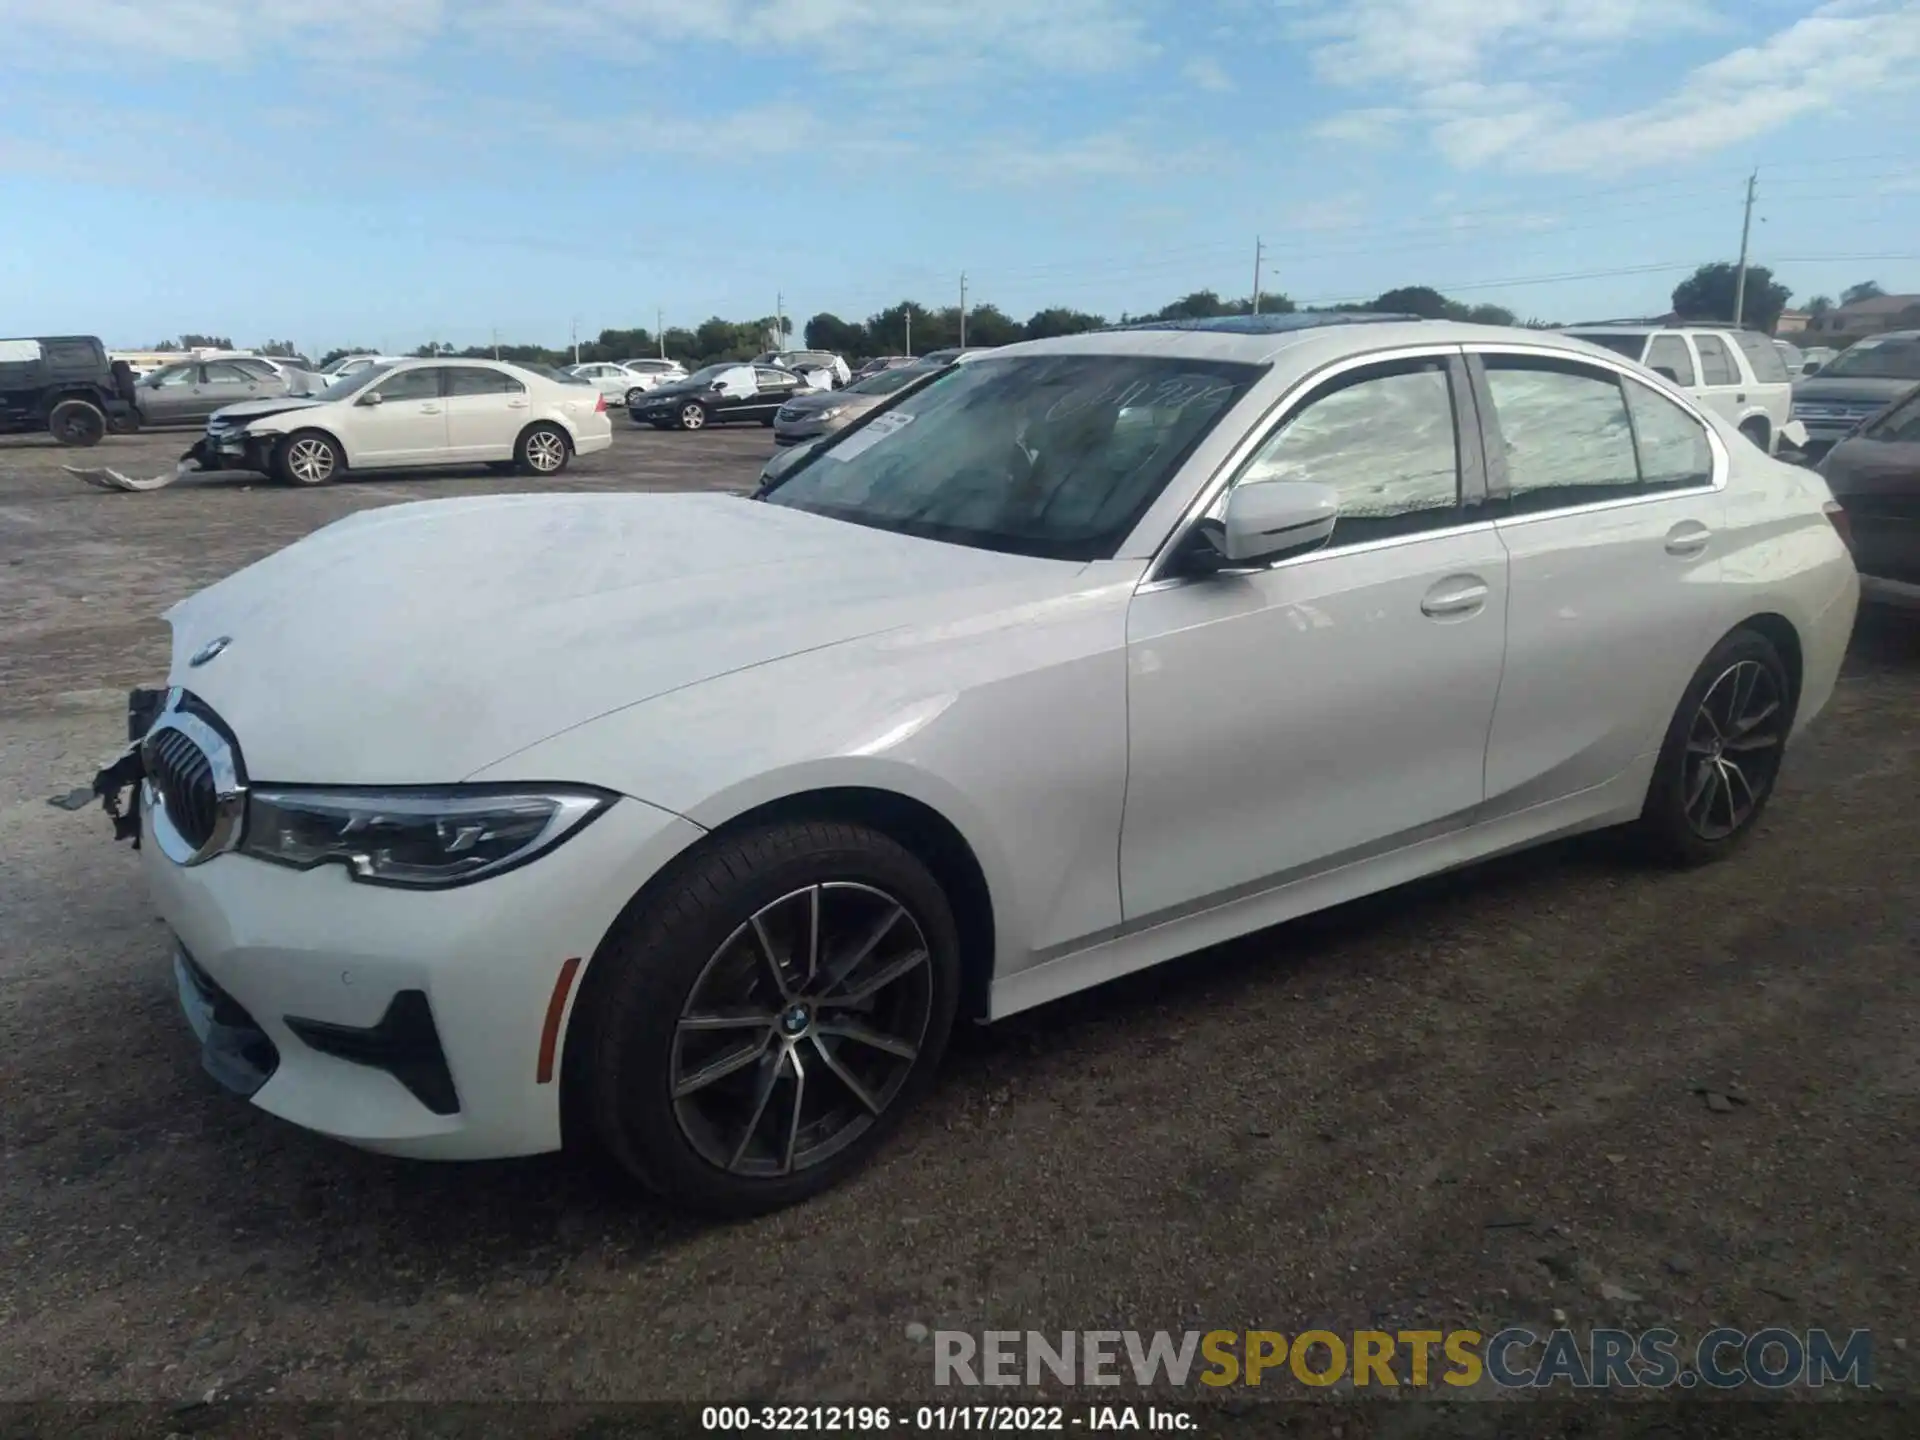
x=869, y=435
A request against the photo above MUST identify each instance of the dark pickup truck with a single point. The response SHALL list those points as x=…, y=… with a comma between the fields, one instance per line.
x=66, y=386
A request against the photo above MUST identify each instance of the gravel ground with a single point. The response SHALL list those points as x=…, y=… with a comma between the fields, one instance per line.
x=1473, y=1102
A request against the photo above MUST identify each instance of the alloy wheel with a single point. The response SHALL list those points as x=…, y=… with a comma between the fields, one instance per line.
x=546, y=451
x=801, y=1029
x=1733, y=749
x=310, y=460
x=693, y=417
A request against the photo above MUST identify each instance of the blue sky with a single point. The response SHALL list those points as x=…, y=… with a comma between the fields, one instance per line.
x=385, y=172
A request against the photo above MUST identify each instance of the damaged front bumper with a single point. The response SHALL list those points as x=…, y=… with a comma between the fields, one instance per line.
x=117, y=786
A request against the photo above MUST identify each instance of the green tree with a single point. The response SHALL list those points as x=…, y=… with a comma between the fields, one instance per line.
x=1059, y=320
x=889, y=330
x=205, y=342
x=1707, y=294
x=1491, y=315
x=1865, y=290
x=827, y=331
x=988, y=325
x=1820, y=305
x=1422, y=300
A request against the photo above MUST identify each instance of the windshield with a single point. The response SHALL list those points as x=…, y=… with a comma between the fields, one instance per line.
x=1055, y=455
x=714, y=372
x=1878, y=360
x=345, y=385
x=1627, y=345
x=888, y=381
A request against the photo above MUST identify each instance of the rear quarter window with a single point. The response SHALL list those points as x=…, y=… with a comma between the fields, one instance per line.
x=1769, y=368
x=71, y=355
x=19, y=352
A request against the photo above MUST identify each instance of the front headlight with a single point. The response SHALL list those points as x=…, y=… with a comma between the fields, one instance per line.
x=830, y=413
x=427, y=839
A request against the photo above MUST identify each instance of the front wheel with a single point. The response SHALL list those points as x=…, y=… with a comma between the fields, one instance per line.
x=693, y=417
x=635, y=396
x=764, y=1022
x=79, y=423
x=543, y=450
x=307, y=458
x=1721, y=755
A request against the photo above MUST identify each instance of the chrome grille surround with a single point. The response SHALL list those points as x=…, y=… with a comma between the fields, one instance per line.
x=195, y=788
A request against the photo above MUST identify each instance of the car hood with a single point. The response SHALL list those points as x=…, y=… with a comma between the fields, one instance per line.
x=1822, y=390
x=248, y=410
x=420, y=643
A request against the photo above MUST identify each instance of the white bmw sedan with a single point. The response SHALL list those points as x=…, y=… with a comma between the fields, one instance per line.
x=692, y=824
x=400, y=414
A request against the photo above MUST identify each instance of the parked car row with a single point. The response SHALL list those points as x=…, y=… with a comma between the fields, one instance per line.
x=1739, y=374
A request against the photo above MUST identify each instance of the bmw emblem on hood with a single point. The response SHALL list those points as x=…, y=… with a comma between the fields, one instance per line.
x=210, y=651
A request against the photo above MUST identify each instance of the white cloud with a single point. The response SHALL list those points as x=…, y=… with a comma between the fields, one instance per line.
x=1440, y=60
x=1206, y=73
x=916, y=40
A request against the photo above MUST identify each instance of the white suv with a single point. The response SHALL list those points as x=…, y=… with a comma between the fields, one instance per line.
x=1738, y=373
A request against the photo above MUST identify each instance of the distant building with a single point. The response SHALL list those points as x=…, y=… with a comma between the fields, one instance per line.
x=1791, y=322
x=1845, y=324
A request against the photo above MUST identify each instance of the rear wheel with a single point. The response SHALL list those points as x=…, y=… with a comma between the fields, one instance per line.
x=543, y=450
x=77, y=422
x=307, y=457
x=1760, y=433
x=767, y=1019
x=635, y=396
x=1721, y=755
x=693, y=417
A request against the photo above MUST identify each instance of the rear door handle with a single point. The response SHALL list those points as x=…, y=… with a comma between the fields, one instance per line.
x=429, y=409
x=1455, y=597
x=1740, y=399
x=516, y=404
x=1688, y=538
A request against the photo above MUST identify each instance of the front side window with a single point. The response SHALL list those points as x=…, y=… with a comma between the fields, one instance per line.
x=225, y=374
x=1716, y=361
x=1047, y=455
x=1385, y=440
x=175, y=375
x=420, y=384
x=1669, y=352
x=1565, y=432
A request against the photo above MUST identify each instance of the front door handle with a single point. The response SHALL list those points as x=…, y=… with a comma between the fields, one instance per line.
x=429, y=409
x=1455, y=597
x=1740, y=399
x=516, y=404
x=1688, y=538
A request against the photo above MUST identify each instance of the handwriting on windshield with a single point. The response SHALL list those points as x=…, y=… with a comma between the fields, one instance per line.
x=1176, y=392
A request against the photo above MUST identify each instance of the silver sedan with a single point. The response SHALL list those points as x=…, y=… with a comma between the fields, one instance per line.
x=808, y=417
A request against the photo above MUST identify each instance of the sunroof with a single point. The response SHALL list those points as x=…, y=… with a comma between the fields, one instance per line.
x=1278, y=324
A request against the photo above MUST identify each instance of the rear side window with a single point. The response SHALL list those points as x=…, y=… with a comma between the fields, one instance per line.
x=1567, y=439
x=474, y=380
x=19, y=352
x=1763, y=357
x=71, y=355
x=1669, y=352
x=1716, y=361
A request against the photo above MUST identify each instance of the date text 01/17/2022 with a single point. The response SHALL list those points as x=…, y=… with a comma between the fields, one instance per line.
x=989, y=1419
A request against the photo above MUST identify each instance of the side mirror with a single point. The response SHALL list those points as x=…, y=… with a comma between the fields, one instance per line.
x=1812, y=367
x=1667, y=372
x=1266, y=519
x=373, y=397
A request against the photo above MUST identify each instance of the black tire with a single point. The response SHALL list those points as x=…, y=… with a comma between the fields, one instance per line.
x=635, y=396
x=542, y=450
x=662, y=957
x=1692, y=817
x=77, y=423
x=127, y=422
x=307, y=457
x=693, y=416
x=768, y=422
x=1760, y=433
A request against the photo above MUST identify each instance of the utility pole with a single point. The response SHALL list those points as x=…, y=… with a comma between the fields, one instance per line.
x=496, y=343
x=963, y=309
x=576, y=339
x=660, y=329
x=1258, y=250
x=1746, y=228
x=908, y=312
x=779, y=320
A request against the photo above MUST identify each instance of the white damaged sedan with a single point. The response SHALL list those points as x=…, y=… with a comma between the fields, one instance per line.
x=692, y=824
